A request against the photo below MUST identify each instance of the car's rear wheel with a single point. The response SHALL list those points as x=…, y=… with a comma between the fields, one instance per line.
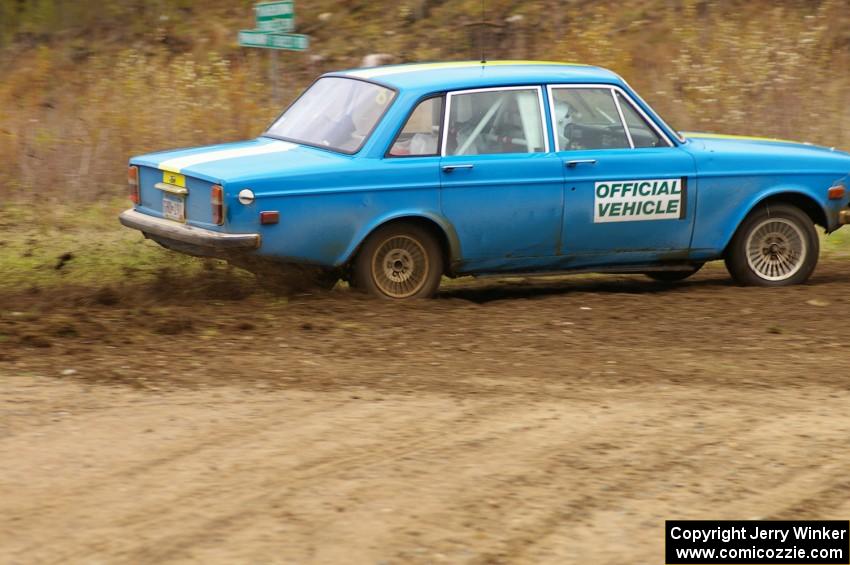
x=399, y=261
x=673, y=276
x=776, y=245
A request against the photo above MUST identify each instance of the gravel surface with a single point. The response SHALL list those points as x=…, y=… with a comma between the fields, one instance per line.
x=557, y=420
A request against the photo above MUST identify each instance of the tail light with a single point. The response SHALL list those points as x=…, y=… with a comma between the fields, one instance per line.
x=133, y=183
x=217, y=203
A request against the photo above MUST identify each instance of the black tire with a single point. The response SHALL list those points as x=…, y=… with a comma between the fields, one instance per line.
x=399, y=261
x=783, y=247
x=673, y=276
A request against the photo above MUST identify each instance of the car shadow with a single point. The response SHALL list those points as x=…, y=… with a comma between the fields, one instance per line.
x=483, y=291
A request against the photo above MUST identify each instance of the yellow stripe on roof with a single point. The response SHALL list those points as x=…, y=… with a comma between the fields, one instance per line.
x=416, y=67
x=739, y=137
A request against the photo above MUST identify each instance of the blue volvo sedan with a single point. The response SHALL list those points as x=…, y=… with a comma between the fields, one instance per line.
x=392, y=177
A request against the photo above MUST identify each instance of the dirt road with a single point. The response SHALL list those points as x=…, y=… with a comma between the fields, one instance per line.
x=553, y=421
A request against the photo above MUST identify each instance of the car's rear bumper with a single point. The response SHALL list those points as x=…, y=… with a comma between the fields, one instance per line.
x=159, y=228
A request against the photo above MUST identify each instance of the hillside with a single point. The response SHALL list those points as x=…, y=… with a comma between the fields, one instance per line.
x=86, y=84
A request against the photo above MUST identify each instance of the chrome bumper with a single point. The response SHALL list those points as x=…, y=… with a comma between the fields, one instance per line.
x=168, y=229
x=844, y=217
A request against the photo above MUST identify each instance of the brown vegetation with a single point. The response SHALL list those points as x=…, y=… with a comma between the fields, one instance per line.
x=87, y=84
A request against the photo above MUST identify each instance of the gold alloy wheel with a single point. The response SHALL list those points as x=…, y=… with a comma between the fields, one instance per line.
x=400, y=266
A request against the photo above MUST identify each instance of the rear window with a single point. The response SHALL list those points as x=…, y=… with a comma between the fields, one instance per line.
x=335, y=113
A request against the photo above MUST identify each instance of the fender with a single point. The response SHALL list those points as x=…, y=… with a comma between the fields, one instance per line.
x=428, y=215
x=793, y=191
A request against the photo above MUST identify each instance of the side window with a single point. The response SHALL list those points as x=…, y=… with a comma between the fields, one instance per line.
x=495, y=121
x=642, y=134
x=587, y=118
x=420, y=136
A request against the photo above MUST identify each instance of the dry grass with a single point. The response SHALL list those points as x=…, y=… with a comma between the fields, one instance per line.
x=82, y=93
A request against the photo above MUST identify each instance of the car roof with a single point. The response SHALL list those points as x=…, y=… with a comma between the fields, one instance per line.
x=432, y=77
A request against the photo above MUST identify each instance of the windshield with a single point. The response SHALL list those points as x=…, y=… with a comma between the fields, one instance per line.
x=336, y=113
x=678, y=135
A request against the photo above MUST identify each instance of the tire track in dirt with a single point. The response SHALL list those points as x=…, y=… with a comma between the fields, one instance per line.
x=483, y=436
x=373, y=454
x=823, y=502
x=333, y=464
x=618, y=492
x=376, y=456
x=225, y=434
x=572, y=507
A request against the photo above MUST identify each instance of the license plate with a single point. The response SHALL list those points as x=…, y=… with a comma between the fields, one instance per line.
x=175, y=179
x=174, y=207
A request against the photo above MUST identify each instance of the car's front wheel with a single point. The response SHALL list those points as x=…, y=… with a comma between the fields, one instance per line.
x=399, y=261
x=776, y=245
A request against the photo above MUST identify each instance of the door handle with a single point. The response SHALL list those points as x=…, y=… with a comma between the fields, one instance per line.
x=450, y=168
x=576, y=163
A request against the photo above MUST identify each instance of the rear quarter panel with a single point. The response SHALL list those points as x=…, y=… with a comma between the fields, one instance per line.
x=326, y=214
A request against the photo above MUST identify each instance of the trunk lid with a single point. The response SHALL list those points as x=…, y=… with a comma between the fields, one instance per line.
x=257, y=158
x=177, y=184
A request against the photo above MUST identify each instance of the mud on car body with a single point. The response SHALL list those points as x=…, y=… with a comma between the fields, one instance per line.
x=394, y=176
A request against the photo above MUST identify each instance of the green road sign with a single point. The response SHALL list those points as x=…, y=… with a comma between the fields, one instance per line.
x=277, y=17
x=288, y=41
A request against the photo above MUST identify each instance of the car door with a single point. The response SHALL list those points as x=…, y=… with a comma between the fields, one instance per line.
x=501, y=186
x=630, y=192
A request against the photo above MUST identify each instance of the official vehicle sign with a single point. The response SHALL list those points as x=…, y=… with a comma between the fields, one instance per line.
x=638, y=200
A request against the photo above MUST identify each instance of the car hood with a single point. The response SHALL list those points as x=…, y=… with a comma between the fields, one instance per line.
x=259, y=158
x=718, y=143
